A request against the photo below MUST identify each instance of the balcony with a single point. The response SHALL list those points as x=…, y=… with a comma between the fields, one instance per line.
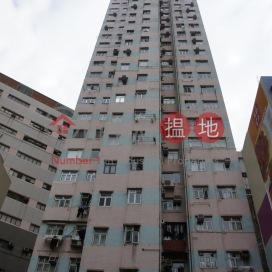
x=143, y=139
x=174, y=246
x=145, y=116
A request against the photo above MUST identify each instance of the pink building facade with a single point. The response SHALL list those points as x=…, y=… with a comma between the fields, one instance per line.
x=144, y=203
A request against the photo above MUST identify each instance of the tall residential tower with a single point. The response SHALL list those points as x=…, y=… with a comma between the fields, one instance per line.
x=136, y=201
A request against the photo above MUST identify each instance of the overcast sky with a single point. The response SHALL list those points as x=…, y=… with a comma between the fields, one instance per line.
x=47, y=45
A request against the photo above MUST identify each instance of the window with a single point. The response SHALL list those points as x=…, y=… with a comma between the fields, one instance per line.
x=167, y=74
x=101, y=53
x=201, y=62
x=168, y=53
x=166, y=87
x=140, y=94
x=95, y=153
x=114, y=140
x=4, y=147
x=19, y=101
x=204, y=225
x=28, y=158
x=136, y=163
x=34, y=228
x=62, y=201
x=18, y=197
x=142, y=77
x=46, y=186
x=144, y=49
x=143, y=63
x=145, y=29
x=128, y=42
x=169, y=100
x=21, y=176
x=186, y=75
x=131, y=23
x=84, y=115
x=55, y=229
x=134, y=196
x=184, y=52
x=117, y=117
x=74, y=264
x=124, y=66
x=88, y=100
x=132, y=234
x=210, y=104
x=181, y=33
x=235, y=259
x=132, y=15
x=108, y=86
x=207, y=89
x=204, y=75
x=44, y=113
x=102, y=116
x=95, y=74
x=231, y=223
x=99, y=133
x=91, y=176
x=185, y=62
x=106, y=100
x=103, y=44
x=219, y=165
x=52, y=169
x=44, y=265
x=190, y=104
x=68, y=176
x=80, y=133
x=146, y=20
x=144, y=39
x=188, y=89
x=175, y=177
x=110, y=167
x=200, y=192
x=207, y=259
x=113, y=63
x=219, y=143
x=92, y=87
x=170, y=205
x=10, y=219
x=40, y=206
x=7, y=129
x=226, y=192
x=100, y=236
x=77, y=153
x=12, y=114
x=120, y=98
x=198, y=165
x=191, y=120
x=99, y=63
x=195, y=142
x=146, y=12
x=105, y=199
x=173, y=155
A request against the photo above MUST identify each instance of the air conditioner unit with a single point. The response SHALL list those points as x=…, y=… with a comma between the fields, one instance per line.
x=200, y=219
x=73, y=268
x=167, y=262
x=168, y=183
x=114, y=14
x=244, y=254
x=10, y=245
x=165, y=152
x=243, y=269
x=53, y=260
x=227, y=162
x=194, y=17
x=27, y=250
x=177, y=198
x=128, y=52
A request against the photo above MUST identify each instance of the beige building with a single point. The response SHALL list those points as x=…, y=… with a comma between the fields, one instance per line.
x=4, y=182
x=28, y=143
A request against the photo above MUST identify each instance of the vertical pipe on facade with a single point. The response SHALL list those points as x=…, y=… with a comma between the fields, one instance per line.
x=182, y=146
x=160, y=144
